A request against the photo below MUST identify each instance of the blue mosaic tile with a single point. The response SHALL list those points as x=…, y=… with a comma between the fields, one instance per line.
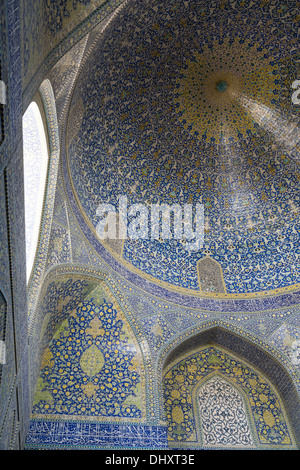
x=151, y=170
x=183, y=378
x=159, y=294
x=68, y=435
x=40, y=50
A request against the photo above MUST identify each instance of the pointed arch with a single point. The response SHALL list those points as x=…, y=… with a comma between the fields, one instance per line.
x=92, y=368
x=73, y=294
x=246, y=347
x=226, y=422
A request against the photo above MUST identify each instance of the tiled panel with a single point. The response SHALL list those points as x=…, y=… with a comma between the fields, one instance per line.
x=91, y=368
x=150, y=120
x=266, y=415
x=157, y=292
x=78, y=435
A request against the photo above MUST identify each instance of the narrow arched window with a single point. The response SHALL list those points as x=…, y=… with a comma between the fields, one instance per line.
x=35, y=158
x=210, y=276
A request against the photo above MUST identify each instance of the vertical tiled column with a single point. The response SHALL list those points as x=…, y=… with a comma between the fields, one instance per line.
x=14, y=380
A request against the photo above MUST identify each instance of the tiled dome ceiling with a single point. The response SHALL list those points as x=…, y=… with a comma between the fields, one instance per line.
x=190, y=101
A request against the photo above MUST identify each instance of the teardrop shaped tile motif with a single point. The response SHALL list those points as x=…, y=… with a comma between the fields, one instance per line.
x=92, y=361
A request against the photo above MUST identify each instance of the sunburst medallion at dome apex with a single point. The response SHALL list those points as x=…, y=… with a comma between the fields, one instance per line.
x=185, y=102
x=211, y=84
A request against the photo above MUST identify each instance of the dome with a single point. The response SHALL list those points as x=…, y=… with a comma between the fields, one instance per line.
x=188, y=103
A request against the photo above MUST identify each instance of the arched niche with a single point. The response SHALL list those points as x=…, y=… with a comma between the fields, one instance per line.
x=47, y=107
x=249, y=355
x=210, y=276
x=61, y=292
x=91, y=365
